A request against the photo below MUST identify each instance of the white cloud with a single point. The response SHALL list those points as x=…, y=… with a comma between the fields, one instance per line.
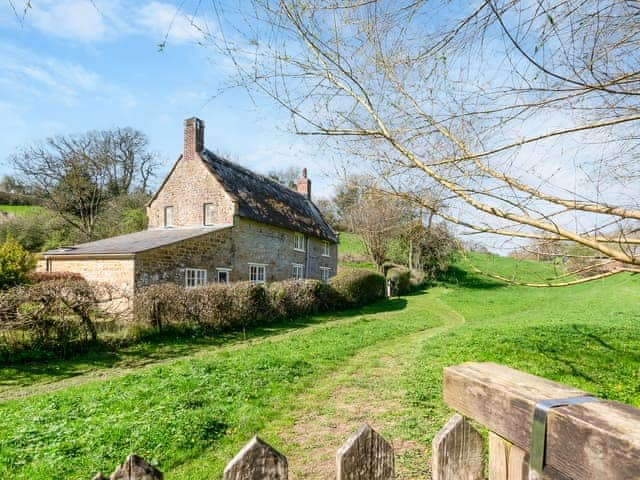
x=72, y=19
x=164, y=20
x=41, y=74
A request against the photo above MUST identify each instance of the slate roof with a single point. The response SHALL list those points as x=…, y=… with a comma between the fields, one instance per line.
x=264, y=200
x=137, y=242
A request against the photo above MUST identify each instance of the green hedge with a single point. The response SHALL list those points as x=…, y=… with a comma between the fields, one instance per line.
x=245, y=304
x=400, y=278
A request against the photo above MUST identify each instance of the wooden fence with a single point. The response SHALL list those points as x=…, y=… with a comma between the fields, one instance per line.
x=538, y=429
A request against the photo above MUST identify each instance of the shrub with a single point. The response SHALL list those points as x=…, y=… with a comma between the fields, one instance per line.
x=240, y=305
x=400, y=278
x=356, y=287
x=297, y=298
x=39, y=277
x=251, y=304
x=211, y=306
x=162, y=304
x=54, y=314
x=417, y=280
x=15, y=263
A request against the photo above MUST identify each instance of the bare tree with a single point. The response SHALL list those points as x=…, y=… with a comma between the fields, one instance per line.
x=526, y=113
x=379, y=219
x=77, y=175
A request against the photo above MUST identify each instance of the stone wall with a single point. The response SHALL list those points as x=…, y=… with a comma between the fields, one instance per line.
x=255, y=242
x=167, y=264
x=117, y=272
x=187, y=188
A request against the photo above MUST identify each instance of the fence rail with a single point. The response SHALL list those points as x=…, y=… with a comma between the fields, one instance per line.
x=581, y=439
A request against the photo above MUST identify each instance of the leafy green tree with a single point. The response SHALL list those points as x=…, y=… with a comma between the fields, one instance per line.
x=15, y=263
x=77, y=176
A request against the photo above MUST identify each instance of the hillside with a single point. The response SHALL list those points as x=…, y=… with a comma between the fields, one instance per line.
x=19, y=210
x=306, y=386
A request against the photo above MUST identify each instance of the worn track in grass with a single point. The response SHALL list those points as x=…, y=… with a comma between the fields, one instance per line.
x=369, y=388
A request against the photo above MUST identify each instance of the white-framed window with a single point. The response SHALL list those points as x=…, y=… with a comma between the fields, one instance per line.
x=326, y=252
x=195, y=277
x=297, y=271
x=257, y=272
x=168, y=216
x=325, y=273
x=298, y=242
x=208, y=213
x=222, y=275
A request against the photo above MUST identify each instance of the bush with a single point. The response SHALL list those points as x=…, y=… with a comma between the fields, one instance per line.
x=237, y=306
x=400, y=278
x=39, y=230
x=297, y=298
x=55, y=315
x=39, y=277
x=417, y=280
x=211, y=306
x=162, y=305
x=15, y=264
x=251, y=304
x=357, y=287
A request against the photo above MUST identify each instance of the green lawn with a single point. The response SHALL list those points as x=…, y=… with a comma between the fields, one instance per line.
x=20, y=209
x=305, y=390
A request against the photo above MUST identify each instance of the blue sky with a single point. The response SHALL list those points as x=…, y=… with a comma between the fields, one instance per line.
x=77, y=65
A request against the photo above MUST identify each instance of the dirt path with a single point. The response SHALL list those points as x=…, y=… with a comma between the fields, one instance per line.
x=369, y=388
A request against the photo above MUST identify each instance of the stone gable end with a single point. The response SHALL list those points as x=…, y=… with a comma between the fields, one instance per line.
x=187, y=188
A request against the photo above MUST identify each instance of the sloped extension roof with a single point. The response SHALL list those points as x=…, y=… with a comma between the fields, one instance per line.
x=137, y=242
x=264, y=200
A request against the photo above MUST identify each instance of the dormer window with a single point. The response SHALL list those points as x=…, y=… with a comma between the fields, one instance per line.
x=208, y=214
x=168, y=216
x=298, y=242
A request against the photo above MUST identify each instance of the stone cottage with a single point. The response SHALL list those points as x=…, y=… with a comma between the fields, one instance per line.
x=212, y=221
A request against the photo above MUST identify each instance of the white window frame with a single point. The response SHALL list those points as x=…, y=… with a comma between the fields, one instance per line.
x=226, y=271
x=326, y=248
x=297, y=271
x=168, y=219
x=195, y=277
x=254, y=272
x=325, y=274
x=205, y=220
x=298, y=242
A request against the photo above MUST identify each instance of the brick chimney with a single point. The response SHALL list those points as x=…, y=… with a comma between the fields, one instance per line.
x=304, y=185
x=193, y=137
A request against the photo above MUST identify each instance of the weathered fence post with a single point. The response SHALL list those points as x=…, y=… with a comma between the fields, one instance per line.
x=133, y=468
x=506, y=461
x=457, y=452
x=257, y=461
x=365, y=456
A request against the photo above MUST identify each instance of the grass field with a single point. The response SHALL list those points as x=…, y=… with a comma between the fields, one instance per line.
x=20, y=209
x=306, y=387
